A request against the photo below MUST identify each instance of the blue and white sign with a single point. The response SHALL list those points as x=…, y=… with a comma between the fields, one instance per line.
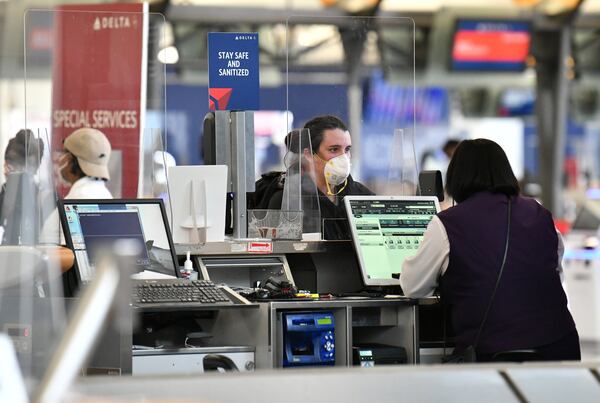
x=233, y=71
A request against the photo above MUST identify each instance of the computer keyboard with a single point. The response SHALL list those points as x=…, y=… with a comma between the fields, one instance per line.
x=177, y=293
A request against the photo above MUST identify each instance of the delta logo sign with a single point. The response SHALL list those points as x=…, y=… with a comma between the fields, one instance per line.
x=218, y=98
x=233, y=71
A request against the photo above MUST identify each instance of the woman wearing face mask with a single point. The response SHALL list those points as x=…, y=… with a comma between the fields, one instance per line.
x=331, y=146
x=84, y=164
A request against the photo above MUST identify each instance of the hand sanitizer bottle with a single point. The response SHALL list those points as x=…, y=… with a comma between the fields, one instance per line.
x=188, y=267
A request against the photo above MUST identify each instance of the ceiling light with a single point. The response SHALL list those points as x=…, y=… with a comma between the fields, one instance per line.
x=168, y=55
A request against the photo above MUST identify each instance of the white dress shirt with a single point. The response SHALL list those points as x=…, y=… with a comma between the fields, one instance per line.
x=421, y=273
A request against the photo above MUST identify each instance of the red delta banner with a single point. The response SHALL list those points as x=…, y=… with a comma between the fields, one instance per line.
x=99, y=80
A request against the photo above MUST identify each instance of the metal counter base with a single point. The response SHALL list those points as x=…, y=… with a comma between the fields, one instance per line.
x=386, y=321
x=191, y=361
x=553, y=382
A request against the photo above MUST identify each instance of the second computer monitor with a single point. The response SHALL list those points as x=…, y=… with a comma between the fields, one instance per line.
x=386, y=230
x=91, y=227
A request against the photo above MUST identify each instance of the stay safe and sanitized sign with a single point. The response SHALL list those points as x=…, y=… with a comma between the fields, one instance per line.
x=233, y=71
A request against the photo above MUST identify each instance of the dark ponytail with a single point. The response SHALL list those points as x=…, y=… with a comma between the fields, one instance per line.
x=24, y=151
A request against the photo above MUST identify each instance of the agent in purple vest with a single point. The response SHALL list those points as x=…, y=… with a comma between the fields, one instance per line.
x=462, y=251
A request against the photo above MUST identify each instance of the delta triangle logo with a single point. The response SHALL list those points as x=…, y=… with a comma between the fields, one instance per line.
x=219, y=98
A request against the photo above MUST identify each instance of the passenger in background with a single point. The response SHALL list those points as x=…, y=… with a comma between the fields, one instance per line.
x=331, y=147
x=438, y=160
x=84, y=164
x=20, y=209
x=23, y=153
x=465, y=247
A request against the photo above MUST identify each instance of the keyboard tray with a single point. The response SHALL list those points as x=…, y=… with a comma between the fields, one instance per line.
x=178, y=293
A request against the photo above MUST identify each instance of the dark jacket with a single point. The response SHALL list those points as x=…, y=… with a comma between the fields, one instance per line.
x=530, y=306
x=269, y=194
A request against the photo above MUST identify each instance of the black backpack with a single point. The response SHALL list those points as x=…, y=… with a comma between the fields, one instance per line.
x=269, y=184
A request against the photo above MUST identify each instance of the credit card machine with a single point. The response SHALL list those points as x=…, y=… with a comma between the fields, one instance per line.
x=308, y=338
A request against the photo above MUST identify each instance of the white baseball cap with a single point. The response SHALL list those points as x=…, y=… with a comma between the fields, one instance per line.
x=92, y=149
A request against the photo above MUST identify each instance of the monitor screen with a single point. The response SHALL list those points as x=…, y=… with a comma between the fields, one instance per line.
x=91, y=226
x=480, y=45
x=516, y=102
x=386, y=230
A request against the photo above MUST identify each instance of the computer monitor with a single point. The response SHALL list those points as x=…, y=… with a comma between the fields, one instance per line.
x=490, y=45
x=386, y=230
x=90, y=226
x=197, y=203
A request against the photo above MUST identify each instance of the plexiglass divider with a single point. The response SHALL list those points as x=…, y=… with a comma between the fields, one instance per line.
x=300, y=190
x=32, y=310
x=116, y=86
x=155, y=163
x=402, y=173
x=294, y=211
x=90, y=66
x=348, y=52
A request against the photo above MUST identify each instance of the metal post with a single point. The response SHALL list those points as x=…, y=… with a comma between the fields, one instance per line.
x=353, y=40
x=242, y=168
x=562, y=106
x=223, y=143
x=551, y=113
x=234, y=147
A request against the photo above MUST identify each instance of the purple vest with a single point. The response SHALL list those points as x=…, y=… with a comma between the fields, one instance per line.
x=530, y=307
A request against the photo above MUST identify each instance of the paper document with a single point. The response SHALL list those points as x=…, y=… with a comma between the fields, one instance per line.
x=150, y=275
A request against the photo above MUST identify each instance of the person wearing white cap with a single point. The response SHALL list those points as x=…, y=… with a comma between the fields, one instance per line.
x=84, y=164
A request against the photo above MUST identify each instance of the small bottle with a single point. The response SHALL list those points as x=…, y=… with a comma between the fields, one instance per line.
x=188, y=267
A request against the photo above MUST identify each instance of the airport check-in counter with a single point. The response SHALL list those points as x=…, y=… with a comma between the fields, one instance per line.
x=258, y=335
x=328, y=267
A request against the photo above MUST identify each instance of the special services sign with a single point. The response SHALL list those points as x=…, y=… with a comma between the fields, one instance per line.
x=99, y=78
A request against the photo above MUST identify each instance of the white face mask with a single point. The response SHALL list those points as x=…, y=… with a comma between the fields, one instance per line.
x=337, y=170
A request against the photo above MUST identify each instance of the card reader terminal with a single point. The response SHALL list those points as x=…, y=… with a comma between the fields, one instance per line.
x=309, y=338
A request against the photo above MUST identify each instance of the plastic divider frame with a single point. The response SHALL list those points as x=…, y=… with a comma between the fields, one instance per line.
x=350, y=47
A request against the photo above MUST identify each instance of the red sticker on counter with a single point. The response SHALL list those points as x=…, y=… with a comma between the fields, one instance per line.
x=260, y=247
